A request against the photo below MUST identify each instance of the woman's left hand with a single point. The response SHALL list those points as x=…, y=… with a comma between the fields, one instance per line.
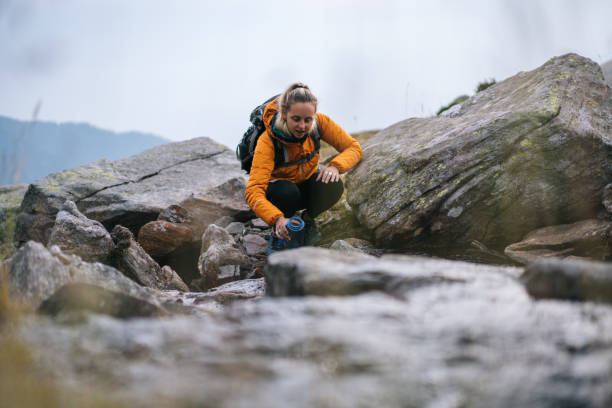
x=329, y=174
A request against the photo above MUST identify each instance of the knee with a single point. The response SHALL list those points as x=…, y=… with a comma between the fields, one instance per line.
x=284, y=193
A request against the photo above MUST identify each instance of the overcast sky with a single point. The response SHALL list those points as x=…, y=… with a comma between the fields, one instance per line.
x=196, y=68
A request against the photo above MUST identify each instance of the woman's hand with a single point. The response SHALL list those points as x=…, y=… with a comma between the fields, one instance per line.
x=280, y=229
x=329, y=174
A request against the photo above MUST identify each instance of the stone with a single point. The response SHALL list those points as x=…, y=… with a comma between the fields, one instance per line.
x=225, y=200
x=325, y=272
x=572, y=279
x=345, y=247
x=160, y=238
x=259, y=223
x=218, y=256
x=585, y=239
x=131, y=191
x=254, y=244
x=528, y=152
x=340, y=222
x=174, y=214
x=235, y=228
x=131, y=259
x=224, y=221
x=82, y=297
x=76, y=234
x=35, y=273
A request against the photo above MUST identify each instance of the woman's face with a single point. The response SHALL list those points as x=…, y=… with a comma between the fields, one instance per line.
x=300, y=118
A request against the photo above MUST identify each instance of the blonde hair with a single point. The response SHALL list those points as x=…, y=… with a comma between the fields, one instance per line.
x=296, y=92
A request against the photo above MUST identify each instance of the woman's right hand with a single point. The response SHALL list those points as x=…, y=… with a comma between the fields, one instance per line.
x=280, y=227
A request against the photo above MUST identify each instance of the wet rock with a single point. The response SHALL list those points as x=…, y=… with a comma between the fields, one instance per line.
x=324, y=272
x=571, y=279
x=254, y=244
x=130, y=192
x=35, y=273
x=82, y=297
x=259, y=223
x=219, y=256
x=134, y=262
x=585, y=239
x=76, y=234
x=527, y=152
x=160, y=238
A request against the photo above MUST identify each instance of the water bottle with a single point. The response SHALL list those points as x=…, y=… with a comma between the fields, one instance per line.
x=295, y=226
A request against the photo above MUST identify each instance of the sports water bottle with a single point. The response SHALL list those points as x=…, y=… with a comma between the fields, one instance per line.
x=295, y=226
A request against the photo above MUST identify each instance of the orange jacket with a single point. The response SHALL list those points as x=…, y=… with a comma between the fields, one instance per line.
x=262, y=169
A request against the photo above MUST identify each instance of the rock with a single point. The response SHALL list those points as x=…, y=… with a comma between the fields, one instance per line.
x=324, y=272
x=527, y=152
x=160, y=238
x=226, y=199
x=588, y=239
x=218, y=257
x=224, y=221
x=76, y=234
x=259, y=223
x=339, y=222
x=175, y=214
x=35, y=273
x=130, y=192
x=10, y=201
x=345, y=247
x=235, y=228
x=82, y=297
x=607, y=72
x=135, y=263
x=571, y=279
x=254, y=244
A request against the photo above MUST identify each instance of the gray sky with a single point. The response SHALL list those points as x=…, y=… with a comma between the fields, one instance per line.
x=196, y=68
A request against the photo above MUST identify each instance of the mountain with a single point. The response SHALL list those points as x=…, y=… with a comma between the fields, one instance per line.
x=32, y=150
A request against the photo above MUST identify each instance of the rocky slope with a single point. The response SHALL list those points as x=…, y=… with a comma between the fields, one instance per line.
x=145, y=280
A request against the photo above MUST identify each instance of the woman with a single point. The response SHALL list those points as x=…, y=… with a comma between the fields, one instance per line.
x=275, y=193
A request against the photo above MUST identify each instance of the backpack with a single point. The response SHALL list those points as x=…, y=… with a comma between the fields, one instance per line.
x=246, y=148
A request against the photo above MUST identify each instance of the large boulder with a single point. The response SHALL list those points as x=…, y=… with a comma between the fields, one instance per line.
x=130, y=192
x=587, y=239
x=325, y=272
x=76, y=234
x=530, y=151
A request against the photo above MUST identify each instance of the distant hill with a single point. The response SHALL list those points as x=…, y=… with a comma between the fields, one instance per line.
x=32, y=150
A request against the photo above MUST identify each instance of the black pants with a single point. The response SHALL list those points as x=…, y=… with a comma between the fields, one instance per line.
x=314, y=196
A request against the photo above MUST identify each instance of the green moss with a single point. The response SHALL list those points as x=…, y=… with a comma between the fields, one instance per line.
x=485, y=84
x=455, y=101
x=8, y=221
